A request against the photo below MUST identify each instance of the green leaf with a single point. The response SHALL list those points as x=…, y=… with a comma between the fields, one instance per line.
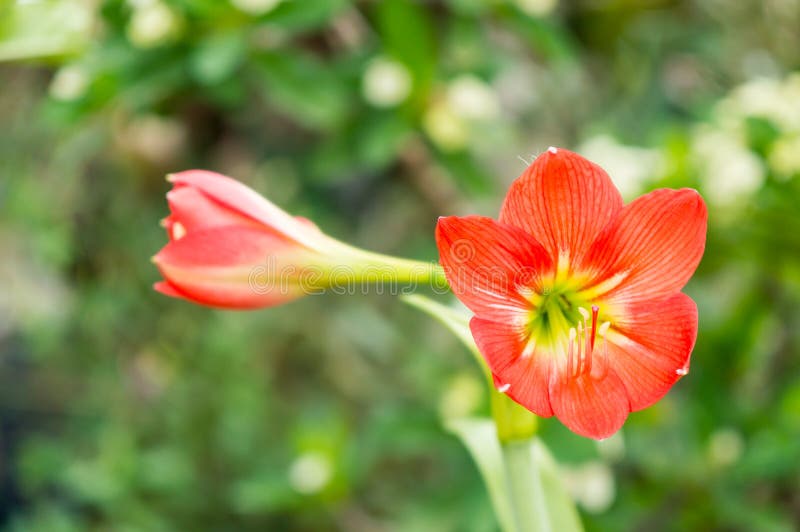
x=480, y=439
x=456, y=321
x=216, y=58
x=521, y=471
x=407, y=35
x=305, y=89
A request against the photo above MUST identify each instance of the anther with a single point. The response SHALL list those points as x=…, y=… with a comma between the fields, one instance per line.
x=553, y=150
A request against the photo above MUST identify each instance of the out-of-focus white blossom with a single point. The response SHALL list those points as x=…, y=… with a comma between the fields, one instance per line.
x=255, y=7
x=773, y=99
x=472, y=98
x=386, y=83
x=728, y=169
x=445, y=127
x=591, y=485
x=725, y=447
x=630, y=167
x=536, y=8
x=310, y=472
x=157, y=139
x=612, y=448
x=69, y=83
x=152, y=24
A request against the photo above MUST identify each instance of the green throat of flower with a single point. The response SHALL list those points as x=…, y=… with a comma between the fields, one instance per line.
x=565, y=323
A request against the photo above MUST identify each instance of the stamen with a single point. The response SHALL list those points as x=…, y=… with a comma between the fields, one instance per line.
x=595, y=311
x=503, y=388
x=553, y=150
x=570, y=352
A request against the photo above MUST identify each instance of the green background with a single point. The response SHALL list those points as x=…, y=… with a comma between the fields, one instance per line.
x=121, y=409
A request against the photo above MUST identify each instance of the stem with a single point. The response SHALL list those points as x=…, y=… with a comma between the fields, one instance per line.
x=366, y=267
x=525, y=488
x=514, y=422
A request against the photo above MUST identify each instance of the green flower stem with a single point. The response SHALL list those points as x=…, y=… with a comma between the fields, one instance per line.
x=513, y=421
x=365, y=267
x=526, y=491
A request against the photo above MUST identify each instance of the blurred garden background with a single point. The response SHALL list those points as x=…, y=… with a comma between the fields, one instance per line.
x=124, y=410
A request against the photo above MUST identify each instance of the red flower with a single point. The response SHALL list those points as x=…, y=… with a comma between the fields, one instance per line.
x=231, y=248
x=577, y=302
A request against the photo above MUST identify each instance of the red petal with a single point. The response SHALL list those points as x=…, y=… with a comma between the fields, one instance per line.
x=195, y=210
x=564, y=201
x=167, y=289
x=239, y=197
x=649, y=349
x=527, y=377
x=232, y=267
x=595, y=407
x=654, y=246
x=487, y=263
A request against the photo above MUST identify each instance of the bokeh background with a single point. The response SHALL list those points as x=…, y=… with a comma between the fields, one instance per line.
x=124, y=410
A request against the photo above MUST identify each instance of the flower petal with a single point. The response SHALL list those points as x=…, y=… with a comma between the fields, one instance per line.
x=487, y=264
x=650, y=348
x=194, y=210
x=653, y=248
x=523, y=378
x=248, y=202
x=564, y=201
x=233, y=267
x=590, y=405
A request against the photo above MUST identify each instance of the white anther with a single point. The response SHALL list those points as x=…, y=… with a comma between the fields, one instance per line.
x=603, y=329
x=504, y=388
x=584, y=313
x=681, y=371
x=553, y=150
x=178, y=231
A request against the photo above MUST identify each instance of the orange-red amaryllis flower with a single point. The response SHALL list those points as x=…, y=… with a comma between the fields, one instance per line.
x=577, y=302
x=232, y=248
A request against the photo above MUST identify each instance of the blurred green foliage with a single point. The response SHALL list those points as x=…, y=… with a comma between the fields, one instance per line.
x=121, y=409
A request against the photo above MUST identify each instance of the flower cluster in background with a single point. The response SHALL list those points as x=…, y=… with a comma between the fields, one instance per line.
x=121, y=409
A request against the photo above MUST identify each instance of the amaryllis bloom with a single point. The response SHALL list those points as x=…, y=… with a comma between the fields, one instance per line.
x=577, y=302
x=231, y=248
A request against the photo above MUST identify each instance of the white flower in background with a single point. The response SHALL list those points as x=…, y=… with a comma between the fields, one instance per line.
x=630, y=167
x=386, y=83
x=536, y=8
x=784, y=157
x=69, y=83
x=612, y=448
x=725, y=447
x=310, y=473
x=255, y=7
x=518, y=88
x=472, y=98
x=151, y=24
x=728, y=169
x=773, y=99
x=157, y=139
x=448, y=130
x=591, y=485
